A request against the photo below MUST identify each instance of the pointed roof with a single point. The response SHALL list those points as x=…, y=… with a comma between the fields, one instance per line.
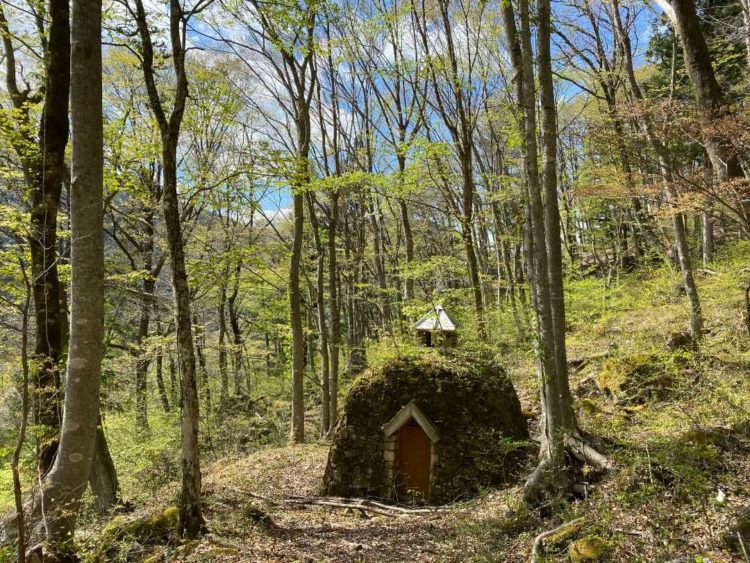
x=436, y=320
x=408, y=412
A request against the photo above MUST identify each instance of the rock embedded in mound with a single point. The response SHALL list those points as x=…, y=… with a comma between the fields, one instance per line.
x=436, y=428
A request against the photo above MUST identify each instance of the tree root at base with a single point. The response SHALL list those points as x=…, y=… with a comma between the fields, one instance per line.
x=548, y=483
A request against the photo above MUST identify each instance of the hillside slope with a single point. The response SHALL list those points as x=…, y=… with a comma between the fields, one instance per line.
x=677, y=422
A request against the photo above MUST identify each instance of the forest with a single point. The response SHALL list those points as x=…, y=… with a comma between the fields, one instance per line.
x=375, y=280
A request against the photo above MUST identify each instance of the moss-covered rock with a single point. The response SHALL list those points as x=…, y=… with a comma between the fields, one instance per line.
x=637, y=378
x=589, y=549
x=472, y=404
x=159, y=528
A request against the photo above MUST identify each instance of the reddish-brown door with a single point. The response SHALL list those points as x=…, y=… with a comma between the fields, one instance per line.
x=413, y=461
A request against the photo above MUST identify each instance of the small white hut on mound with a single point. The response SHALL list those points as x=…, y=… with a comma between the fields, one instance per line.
x=437, y=328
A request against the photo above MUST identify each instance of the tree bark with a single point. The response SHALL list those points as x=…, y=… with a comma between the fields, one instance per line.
x=224, y=374
x=295, y=319
x=708, y=236
x=335, y=308
x=325, y=410
x=66, y=481
x=103, y=481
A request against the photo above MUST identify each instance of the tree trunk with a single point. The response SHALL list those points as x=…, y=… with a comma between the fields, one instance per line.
x=43, y=164
x=295, y=319
x=708, y=92
x=224, y=374
x=708, y=236
x=103, y=481
x=66, y=481
x=335, y=308
x=408, y=236
x=683, y=249
x=142, y=357
x=160, y=378
x=325, y=410
x=234, y=323
x=21, y=437
x=200, y=346
x=191, y=519
x=552, y=215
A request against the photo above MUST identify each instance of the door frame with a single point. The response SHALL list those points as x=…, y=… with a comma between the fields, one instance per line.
x=390, y=445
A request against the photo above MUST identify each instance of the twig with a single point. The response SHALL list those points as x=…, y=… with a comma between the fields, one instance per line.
x=332, y=504
x=709, y=272
x=360, y=504
x=564, y=530
x=250, y=494
x=629, y=532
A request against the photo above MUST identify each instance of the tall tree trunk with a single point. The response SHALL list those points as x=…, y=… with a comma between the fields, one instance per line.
x=295, y=319
x=50, y=315
x=66, y=481
x=683, y=249
x=21, y=437
x=468, y=240
x=191, y=519
x=550, y=471
x=200, y=346
x=234, y=323
x=552, y=214
x=295, y=267
x=335, y=308
x=325, y=409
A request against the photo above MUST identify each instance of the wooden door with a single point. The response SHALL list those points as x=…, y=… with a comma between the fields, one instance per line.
x=414, y=453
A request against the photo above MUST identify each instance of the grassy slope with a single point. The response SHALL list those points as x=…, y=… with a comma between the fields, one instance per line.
x=657, y=504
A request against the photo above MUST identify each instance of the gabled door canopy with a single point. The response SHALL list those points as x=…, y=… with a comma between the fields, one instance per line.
x=411, y=410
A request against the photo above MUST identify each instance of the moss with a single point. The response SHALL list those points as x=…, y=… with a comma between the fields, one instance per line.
x=637, y=378
x=590, y=548
x=589, y=405
x=568, y=530
x=152, y=529
x=470, y=401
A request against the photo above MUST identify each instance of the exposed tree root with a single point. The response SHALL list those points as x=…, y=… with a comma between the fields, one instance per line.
x=557, y=535
x=548, y=483
x=585, y=448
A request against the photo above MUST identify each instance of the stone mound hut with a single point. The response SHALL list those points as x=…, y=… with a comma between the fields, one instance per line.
x=426, y=428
